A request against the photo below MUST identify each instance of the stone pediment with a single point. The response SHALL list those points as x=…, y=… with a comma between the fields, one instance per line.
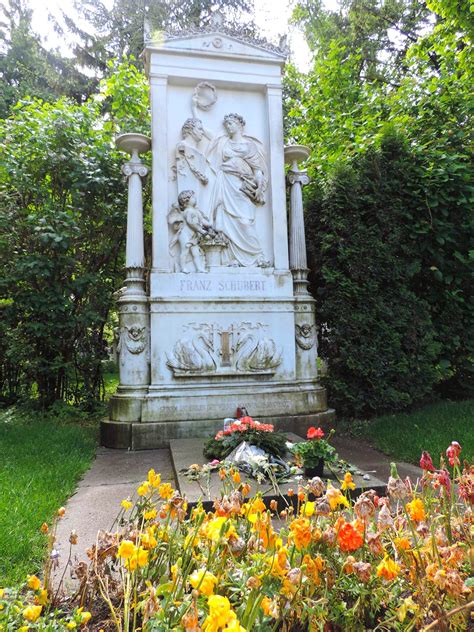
x=217, y=43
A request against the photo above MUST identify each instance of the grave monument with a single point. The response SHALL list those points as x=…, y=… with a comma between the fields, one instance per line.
x=226, y=319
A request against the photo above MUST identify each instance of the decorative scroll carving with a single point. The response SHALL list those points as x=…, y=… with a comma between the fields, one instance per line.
x=134, y=338
x=134, y=167
x=305, y=336
x=238, y=31
x=300, y=177
x=212, y=349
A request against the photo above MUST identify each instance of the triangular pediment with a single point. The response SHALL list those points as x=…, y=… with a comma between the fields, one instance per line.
x=216, y=43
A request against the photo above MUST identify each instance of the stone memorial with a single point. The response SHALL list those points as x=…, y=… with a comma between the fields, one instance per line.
x=226, y=319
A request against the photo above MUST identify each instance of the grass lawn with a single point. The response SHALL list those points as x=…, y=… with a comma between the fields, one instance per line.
x=41, y=461
x=432, y=428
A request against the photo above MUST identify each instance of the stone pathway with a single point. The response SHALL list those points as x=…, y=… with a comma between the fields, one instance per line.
x=115, y=474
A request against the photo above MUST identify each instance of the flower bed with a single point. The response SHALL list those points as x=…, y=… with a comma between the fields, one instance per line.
x=399, y=562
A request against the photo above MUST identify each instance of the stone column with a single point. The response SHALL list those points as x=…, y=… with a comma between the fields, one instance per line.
x=134, y=317
x=305, y=316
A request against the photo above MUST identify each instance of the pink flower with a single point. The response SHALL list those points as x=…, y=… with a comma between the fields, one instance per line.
x=453, y=453
x=315, y=433
x=214, y=462
x=426, y=462
x=441, y=479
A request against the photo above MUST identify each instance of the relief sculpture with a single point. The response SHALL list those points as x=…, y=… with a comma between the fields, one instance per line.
x=229, y=179
x=134, y=338
x=305, y=336
x=239, y=349
x=191, y=227
x=239, y=189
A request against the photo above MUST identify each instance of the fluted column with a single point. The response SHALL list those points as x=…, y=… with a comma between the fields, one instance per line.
x=305, y=313
x=296, y=179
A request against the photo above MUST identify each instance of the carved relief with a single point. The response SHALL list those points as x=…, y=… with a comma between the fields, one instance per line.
x=134, y=338
x=305, y=336
x=191, y=227
x=239, y=188
x=212, y=349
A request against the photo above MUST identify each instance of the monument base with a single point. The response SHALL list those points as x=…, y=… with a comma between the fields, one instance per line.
x=158, y=434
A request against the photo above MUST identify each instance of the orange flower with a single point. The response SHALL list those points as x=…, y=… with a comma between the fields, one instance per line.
x=402, y=544
x=416, y=510
x=349, y=537
x=236, y=477
x=300, y=532
x=388, y=569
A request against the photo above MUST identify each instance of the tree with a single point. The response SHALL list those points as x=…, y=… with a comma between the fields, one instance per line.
x=61, y=241
x=341, y=110
x=120, y=30
x=27, y=68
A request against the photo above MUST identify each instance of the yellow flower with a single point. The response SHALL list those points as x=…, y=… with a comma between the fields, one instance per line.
x=126, y=504
x=142, y=557
x=34, y=582
x=61, y=511
x=153, y=478
x=31, y=613
x=165, y=490
x=214, y=528
x=388, y=569
x=266, y=605
x=42, y=597
x=126, y=549
x=335, y=497
x=221, y=617
x=85, y=617
x=148, y=540
x=2, y=592
x=348, y=483
x=150, y=515
x=71, y=625
x=236, y=477
x=203, y=581
x=416, y=510
x=307, y=509
x=24, y=628
x=143, y=489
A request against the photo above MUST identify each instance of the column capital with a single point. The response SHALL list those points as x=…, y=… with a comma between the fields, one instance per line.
x=129, y=168
x=294, y=177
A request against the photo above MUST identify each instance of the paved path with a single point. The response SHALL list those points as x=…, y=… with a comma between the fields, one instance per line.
x=115, y=474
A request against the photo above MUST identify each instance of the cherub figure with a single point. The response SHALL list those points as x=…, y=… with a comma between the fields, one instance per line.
x=192, y=225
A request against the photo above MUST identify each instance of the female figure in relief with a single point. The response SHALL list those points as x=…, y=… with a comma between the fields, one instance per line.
x=239, y=188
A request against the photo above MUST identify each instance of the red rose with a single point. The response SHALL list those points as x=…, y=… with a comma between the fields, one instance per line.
x=314, y=433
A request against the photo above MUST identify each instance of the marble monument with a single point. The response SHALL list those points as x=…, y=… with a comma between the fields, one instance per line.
x=226, y=319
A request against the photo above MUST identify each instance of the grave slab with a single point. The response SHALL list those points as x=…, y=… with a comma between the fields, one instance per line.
x=185, y=452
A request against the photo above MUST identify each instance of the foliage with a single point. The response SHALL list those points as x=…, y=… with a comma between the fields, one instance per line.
x=246, y=429
x=377, y=331
x=28, y=69
x=332, y=564
x=363, y=92
x=61, y=236
x=105, y=32
x=309, y=452
x=43, y=457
